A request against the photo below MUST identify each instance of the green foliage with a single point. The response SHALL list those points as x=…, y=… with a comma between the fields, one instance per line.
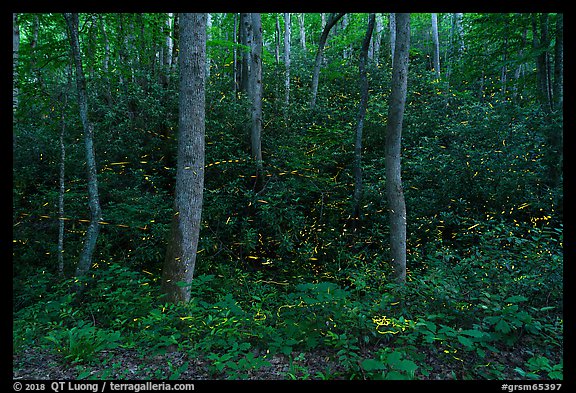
x=82, y=342
x=389, y=364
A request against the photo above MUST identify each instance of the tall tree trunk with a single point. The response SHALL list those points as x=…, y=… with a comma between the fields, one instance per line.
x=93, y=200
x=208, y=38
x=559, y=63
x=286, y=65
x=180, y=259
x=394, y=191
x=176, y=37
x=319, y=54
x=235, y=66
x=246, y=40
x=277, y=39
x=15, y=50
x=377, y=39
x=255, y=91
x=459, y=33
x=62, y=189
x=360, y=124
x=542, y=60
x=436, y=42
x=519, y=68
x=106, y=61
x=392, y=23
x=302, y=31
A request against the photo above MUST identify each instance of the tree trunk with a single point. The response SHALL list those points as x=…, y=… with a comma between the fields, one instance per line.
x=286, y=65
x=93, y=200
x=255, y=91
x=360, y=125
x=15, y=50
x=185, y=229
x=235, y=72
x=377, y=39
x=208, y=38
x=392, y=21
x=302, y=32
x=246, y=40
x=542, y=61
x=559, y=63
x=394, y=192
x=277, y=39
x=436, y=42
x=459, y=33
x=319, y=54
x=62, y=189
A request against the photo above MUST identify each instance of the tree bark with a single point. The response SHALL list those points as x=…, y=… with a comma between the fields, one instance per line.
x=246, y=40
x=286, y=65
x=542, y=60
x=559, y=63
x=255, y=91
x=180, y=259
x=93, y=199
x=394, y=191
x=459, y=33
x=360, y=124
x=319, y=54
x=436, y=42
x=15, y=51
x=302, y=32
x=62, y=189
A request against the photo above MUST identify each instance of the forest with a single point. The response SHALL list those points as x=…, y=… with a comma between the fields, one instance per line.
x=287, y=196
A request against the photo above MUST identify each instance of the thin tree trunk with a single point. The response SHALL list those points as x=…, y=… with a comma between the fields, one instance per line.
x=176, y=38
x=286, y=65
x=394, y=191
x=459, y=32
x=361, y=115
x=93, y=200
x=542, y=63
x=235, y=57
x=180, y=259
x=255, y=90
x=106, y=62
x=392, y=22
x=319, y=54
x=559, y=63
x=436, y=42
x=277, y=39
x=377, y=39
x=15, y=51
x=62, y=189
x=246, y=40
x=208, y=38
x=302, y=31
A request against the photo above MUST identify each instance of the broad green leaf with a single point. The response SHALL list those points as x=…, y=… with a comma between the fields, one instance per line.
x=503, y=326
x=372, y=364
x=466, y=342
x=516, y=299
x=396, y=375
x=473, y=333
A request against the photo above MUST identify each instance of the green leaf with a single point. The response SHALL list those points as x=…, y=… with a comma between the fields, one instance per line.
x=407, y=365
x=372, y=365
x=466, y=342
x=394, y=358
x=516, y=299
x=503, y=326
x=396, y=375
x=473, y=333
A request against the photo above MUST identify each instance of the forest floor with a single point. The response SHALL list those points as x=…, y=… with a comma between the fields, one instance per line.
x=130, y=364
